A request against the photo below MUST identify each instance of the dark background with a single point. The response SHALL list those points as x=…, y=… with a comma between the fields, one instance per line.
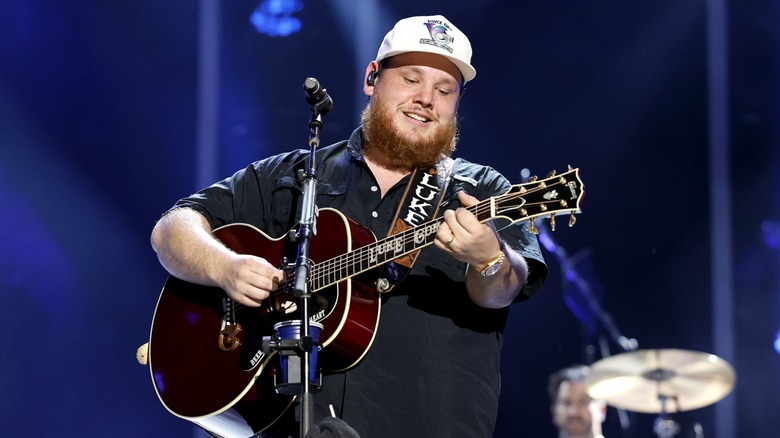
x=98, y=135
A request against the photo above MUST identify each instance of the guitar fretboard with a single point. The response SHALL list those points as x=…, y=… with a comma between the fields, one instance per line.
x=367, y=257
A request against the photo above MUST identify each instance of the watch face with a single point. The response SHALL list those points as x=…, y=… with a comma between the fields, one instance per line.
x=493, y=266
x=492, y=270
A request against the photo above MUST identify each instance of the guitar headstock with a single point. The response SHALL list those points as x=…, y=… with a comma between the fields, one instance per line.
x=548, y=197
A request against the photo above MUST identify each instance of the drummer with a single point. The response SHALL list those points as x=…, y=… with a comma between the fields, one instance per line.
x=574, y=413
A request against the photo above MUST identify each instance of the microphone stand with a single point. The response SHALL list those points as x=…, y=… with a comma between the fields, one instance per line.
x=626, y=344
x=584, y=287
x=297, y=351
x=305, y=232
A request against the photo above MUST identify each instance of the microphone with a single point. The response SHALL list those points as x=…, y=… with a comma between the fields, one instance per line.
x=317, y=97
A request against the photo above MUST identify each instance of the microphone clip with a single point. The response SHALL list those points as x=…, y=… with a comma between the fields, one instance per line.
x=317, y=97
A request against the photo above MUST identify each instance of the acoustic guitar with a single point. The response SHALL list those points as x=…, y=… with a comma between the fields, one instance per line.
x=206, y=353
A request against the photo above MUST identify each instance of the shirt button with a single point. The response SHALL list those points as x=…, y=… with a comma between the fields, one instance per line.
x=374, y=214
x=374, y=188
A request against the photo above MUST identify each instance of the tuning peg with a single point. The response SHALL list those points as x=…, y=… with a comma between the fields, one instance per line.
x=532, y=227
x=572, y=219
x=551, y=174
x=552, y=221
x=533, y=178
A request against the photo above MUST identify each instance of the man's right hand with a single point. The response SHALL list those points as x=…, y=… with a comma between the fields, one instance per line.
x=249, y=279
x=189, y=250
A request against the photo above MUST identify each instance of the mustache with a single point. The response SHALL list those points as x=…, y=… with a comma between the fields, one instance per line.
x=430, y=115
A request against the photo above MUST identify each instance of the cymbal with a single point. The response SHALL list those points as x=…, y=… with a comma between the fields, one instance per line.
x=660, y=381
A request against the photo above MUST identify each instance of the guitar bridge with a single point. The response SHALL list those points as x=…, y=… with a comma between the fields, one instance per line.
x=228, y=337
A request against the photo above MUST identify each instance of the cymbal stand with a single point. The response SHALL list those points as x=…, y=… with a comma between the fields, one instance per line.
x=664, y=426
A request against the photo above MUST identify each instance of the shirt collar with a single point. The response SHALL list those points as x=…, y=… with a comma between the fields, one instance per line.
x=355, y=144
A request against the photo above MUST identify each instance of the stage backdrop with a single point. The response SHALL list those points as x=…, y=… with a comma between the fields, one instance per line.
x=104, y=124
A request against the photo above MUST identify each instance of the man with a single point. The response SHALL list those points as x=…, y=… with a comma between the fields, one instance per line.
x=574, y=413
x=433, y=366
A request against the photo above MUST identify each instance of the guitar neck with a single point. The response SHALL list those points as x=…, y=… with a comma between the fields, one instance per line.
x=522, y=202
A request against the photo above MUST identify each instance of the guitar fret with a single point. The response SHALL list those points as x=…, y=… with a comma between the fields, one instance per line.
x=345, y=266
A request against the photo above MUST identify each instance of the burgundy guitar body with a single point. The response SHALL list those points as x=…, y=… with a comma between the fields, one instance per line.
x=205, y=352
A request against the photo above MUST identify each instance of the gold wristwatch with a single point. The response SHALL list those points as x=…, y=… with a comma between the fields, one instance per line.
x=493, y=266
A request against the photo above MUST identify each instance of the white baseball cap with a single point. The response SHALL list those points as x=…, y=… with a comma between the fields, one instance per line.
x=432, y=34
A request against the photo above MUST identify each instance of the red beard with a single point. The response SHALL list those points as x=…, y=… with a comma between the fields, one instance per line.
x=387, y=149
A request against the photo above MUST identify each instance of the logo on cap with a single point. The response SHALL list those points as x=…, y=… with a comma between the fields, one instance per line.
x=439, y=37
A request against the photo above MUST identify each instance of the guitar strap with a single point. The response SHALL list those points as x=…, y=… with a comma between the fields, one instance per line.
x=420, y=204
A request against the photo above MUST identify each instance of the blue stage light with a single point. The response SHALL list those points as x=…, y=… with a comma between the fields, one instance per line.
x=275, y=17
x=777, y=342
x=771, y=231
